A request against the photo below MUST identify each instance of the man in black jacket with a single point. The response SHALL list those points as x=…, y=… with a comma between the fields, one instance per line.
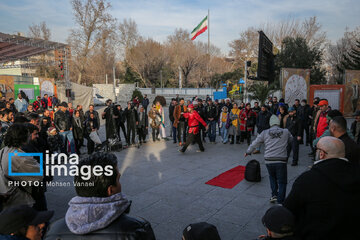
x=325, y=199
x=338, y=129
x=120, y=121
x=100, y=210
x=110, y=115
x=262, y=123
x=96, y=114
x=211, y=120
x=293, y=124
x=172, y=119
x=131, y=123
x=62, y=122
x=304, y=113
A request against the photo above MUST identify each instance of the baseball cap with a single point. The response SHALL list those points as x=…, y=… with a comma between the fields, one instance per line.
x=323, y=102
x=201, y=231
x=15, y=218
x=279, y=219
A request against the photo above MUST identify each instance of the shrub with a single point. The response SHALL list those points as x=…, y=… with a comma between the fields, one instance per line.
x=160, y=99
x=137, y=93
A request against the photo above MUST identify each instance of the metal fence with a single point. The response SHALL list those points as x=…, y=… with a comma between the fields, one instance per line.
x=180, y=91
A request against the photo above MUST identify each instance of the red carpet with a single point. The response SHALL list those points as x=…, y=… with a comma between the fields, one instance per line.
x=229, y=179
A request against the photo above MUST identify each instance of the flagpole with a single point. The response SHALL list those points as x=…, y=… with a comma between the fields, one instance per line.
x=209, y=32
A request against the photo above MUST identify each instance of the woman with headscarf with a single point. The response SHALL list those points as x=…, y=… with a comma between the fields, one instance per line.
x=154, y=121
x=247, y=123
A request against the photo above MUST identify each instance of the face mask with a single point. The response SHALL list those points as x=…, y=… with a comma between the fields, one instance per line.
x=270, y=104
x=302, y=104
x=55, y=109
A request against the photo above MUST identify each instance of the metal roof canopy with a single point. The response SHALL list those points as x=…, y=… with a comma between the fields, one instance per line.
x=14, y=47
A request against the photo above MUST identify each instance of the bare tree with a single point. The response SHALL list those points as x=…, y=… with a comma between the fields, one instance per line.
x=92, y=18
x=147, y=58
x=128, y=34
x=40, y=31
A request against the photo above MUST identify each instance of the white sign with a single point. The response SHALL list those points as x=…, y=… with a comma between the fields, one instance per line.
x=29, y=92
x=296, y=88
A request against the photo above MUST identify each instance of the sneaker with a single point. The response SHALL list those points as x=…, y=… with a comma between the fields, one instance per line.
x=273, y=199
x=199, y=151
x=294, y=164
x=180, y=150
x=256, y=152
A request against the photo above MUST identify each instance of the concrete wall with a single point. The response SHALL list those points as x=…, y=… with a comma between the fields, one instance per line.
x=105, y=90
x=182, y=91
x=125, y=91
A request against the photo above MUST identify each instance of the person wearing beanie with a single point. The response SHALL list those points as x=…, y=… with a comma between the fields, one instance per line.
x=262, y=123
x=276, y=140
x=200, y=231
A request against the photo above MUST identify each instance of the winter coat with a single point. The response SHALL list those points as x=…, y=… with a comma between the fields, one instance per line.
x=325, y=201
x=327, y=133
x=78, y=128
x=276, y=140
x=90, y=125
x=171, y=112
x=353, y=131
x=249, y=124
x=100, y=218
x=20, y=164
x=154, y=119
x=131, y=116
x=304, y=113
x=110, y=121
x=62, y=121
x=177, y=114
x=143, y=122
x=262, y=121
x=352, y=149
x=145, y=103
x=55, y=143
x=211, y=112
x=96, y=116
x=321, y=123
x=21, y=105
x=194, y=121
x=293, y=124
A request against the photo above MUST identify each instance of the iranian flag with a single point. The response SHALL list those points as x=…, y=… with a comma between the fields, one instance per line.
x=203, y=25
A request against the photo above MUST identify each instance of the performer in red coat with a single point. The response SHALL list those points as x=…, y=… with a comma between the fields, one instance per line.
x=194, y=121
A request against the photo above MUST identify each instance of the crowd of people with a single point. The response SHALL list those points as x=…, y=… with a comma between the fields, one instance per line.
x=311, y=210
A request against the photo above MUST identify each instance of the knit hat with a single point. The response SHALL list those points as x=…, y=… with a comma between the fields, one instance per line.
x=274, y=120
x=50, y=129
x=291, y=109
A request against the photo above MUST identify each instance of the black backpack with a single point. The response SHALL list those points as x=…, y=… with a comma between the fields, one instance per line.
x=252, y=171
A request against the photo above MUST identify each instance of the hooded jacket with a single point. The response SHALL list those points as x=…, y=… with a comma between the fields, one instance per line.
x=276, y=140
x=100, y=218
x=325, y=201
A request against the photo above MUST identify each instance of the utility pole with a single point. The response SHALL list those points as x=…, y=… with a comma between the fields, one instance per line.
x=106, y=81
x=245, y=78
x=180, y=83
x=161, y=81
x=114, y=83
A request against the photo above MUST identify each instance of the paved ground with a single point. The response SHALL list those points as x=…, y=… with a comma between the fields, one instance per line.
x=168, y=189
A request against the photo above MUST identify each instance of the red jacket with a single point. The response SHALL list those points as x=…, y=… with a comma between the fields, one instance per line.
x=247, y=114
x=322, y=124
x=194, y=120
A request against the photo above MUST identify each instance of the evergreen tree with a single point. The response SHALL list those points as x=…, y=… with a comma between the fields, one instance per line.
x=295, y=53
x=352, y=59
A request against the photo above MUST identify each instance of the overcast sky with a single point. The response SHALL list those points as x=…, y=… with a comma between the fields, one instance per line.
x=159, y=18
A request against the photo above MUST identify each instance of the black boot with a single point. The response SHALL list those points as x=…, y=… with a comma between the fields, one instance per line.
x=232, y=139
x=237, y=139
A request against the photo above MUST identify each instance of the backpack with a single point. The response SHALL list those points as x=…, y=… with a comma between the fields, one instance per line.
x=252, y=171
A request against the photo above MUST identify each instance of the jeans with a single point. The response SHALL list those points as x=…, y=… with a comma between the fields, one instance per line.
x=69, y=136
x=173, y=131
x=224, y=133
x=278, y=180
x=181, y=131
x=212, y=130
x=294, y=146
